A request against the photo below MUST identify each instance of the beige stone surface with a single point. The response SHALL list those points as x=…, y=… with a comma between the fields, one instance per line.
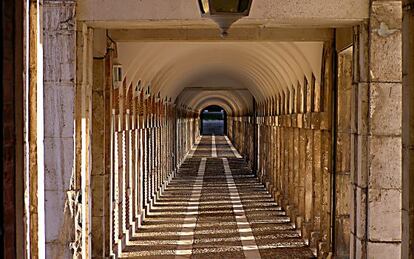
x=386, y=53
x=361, y=212
x=385, y=163
x=343, y=194
x=362, y=104
x=55, y=201
x=386, y=43
x=384, y=217
x=360, y=248
x=385, y=108
x=383, y=251
x=314, y=12
x=58, y=100
x=58, y=110
x=58, y=170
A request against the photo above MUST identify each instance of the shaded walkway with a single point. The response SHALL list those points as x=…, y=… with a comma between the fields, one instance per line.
x=216, y=208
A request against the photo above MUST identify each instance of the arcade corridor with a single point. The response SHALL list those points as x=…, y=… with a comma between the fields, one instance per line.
x=215, y=207
x=107, y=151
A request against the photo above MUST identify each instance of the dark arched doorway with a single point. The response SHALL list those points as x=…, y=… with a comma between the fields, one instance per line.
x=213, y=120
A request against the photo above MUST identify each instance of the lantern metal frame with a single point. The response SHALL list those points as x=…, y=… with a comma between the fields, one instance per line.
x=223, y=19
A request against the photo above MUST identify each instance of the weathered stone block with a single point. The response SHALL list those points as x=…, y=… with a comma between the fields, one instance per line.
x=59, y=110
x=384, y=212
x=343, y=194
x=383, y=250
x=360, y=249
x=343, y=155
x=325, y=121
x=57, y=250
x=98, y=75
x=54, y=216
x=362, y=73
x=342, y=237
x=315, y=120
x=353, y=161
x=385, y=162
x=386, y=44
x=361, y=212
x=58, y=161
x=386, y=108
x=361, y=176
x=354, y=108
x=344, y=110
x=362, y=108
x=388, y=12
x=58, y=58
x=99, y=184
x=97, y=237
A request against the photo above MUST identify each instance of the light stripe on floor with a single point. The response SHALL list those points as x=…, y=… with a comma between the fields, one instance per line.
x=235, y=152
x=213, y=146
x=185, y=244
x=250, y=249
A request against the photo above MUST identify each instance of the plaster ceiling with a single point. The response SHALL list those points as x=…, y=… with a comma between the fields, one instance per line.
x=170, y=13
x=262, y=69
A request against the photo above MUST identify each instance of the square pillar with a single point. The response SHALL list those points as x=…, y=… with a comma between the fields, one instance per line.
x=377, y=174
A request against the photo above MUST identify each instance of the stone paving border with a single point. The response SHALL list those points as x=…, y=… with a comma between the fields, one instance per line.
x=213, y=146
x=185, y=244
x=250, y=248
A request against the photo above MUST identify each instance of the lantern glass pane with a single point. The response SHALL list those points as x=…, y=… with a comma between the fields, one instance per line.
x=225, y=6
x=243, y=5
x=204, y=6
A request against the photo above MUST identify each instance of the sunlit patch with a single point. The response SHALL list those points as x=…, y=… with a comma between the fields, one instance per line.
x=246, y=238
x=189, y=225
x=250, y=247
x=185, y=242
x=183, y=252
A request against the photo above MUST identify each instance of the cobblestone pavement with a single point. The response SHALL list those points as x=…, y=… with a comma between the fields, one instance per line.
x=216, y=208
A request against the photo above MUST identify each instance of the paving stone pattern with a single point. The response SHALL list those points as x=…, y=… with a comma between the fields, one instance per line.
x=216, y=208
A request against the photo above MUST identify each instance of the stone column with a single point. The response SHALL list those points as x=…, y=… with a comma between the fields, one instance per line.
x=343, y=157
x=100, y=146
x=378, y=171
x=408, y=129
x=384, y=142
x=59, y=98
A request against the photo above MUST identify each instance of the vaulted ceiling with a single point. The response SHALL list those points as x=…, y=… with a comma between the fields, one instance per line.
x=263, y=69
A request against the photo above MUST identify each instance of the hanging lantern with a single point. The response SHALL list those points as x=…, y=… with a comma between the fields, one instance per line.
x=224, y=12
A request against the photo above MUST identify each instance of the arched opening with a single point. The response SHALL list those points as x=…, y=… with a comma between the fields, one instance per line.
x=213, y=120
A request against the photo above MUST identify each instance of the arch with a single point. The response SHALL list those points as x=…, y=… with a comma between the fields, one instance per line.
x=263, y=68
x=213, y=120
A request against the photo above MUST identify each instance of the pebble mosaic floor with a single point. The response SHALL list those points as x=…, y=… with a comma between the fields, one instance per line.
x=216, y=208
